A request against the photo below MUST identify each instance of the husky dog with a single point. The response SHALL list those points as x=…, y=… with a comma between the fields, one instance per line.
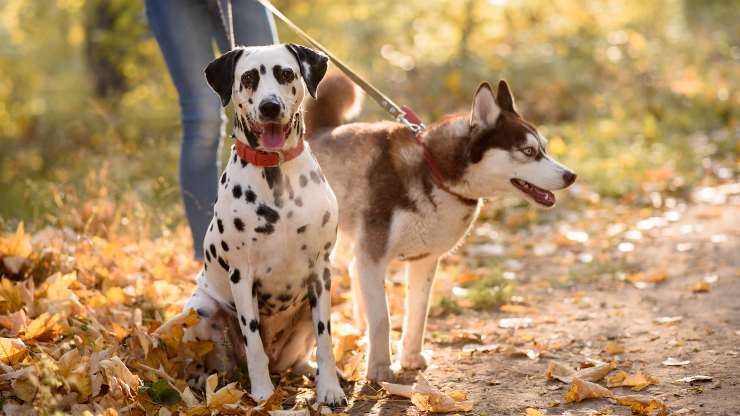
x=274, y=225
x=391, y=207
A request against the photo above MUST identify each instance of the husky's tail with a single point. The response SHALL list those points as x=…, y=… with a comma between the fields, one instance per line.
x=338, y=98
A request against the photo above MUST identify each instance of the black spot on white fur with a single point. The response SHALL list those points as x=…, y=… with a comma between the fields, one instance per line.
x=253, y=325
x=269, y=214
x=238, y=224
x=325, y=218
x=250, y=196
x=235, y=275
x=236, y=191
x=321, y=328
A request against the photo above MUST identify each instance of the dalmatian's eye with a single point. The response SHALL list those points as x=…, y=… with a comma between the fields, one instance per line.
x=288, y=75
x=528, y=151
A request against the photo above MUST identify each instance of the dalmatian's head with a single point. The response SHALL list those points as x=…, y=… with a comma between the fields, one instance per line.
x=267, y=85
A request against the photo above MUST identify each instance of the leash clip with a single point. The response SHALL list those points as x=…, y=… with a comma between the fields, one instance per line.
x=410, y=120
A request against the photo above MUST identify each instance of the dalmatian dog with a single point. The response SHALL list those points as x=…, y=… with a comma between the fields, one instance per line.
x=267, y=271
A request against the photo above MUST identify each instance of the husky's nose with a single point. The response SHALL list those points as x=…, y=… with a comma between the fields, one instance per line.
x=269, y=108
x=569, y=177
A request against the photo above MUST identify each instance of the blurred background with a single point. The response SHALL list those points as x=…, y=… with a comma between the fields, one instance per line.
x=639, y=97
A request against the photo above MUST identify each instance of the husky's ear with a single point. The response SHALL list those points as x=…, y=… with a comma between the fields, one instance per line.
x=220, y=74
x=485, y=110
x=312, y=64
x=505, y=98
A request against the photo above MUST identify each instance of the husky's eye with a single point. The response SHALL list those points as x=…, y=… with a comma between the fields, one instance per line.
x=528, y=151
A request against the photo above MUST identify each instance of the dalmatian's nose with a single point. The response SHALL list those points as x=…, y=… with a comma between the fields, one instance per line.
x=269, y=108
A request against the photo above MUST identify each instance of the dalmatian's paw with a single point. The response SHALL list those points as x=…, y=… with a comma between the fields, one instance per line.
x=330, y=394
x=262, y=392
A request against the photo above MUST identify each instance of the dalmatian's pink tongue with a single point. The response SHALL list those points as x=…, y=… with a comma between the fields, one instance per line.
x=273, y=136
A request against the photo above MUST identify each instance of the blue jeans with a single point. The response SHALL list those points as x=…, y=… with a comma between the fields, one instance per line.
x=186, y=31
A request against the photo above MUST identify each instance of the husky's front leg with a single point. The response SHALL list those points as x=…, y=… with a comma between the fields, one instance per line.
x=372, y=284
x=246, y=309
x=419, y=280
x=328, y=390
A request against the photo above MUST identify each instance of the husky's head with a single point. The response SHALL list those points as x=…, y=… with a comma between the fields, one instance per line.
x=265, y=84
x=506, y=152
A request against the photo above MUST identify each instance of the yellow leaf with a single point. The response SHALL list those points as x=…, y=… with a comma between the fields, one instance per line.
x=643, y=405
x=636, y=381
x=115, y=296
x=24, y=389
x=227, y=395
x=517, y=309
x=534, y=412
x=200, y=348
x=643, y=277
x=700, y=287
x=45, y=327
x=18, y=244
x=583, y=390
x=614, y=348
x=12, y=351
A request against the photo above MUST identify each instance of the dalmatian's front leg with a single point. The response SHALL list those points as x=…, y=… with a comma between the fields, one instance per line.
x=257, y=362
x=328, y=390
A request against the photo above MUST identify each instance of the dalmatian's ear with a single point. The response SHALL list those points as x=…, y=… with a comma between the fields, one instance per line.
x=312, y=64
x=220, y=74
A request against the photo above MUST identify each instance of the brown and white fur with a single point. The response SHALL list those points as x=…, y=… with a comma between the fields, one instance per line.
x=389, y=207
x=266, y=275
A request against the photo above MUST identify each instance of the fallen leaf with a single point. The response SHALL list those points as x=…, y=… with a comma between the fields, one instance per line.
x=641, y=405
x=559, y=371
x=700, y=287
x=516, y=309
x=637, y=381
x=650, y=278
x=428, y=398
x=672, y=362
x=667, y=320
x=533, y=412
x=693, y=379
x=12, y=351
x=614, y=348
x=582, y=390
x=225, y=397
x=524, y=322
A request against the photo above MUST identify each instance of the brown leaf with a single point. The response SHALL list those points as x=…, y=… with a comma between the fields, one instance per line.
x=559, y=371
x=582, y=390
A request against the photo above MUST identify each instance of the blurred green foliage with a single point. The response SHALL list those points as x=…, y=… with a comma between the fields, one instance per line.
x=635, y=95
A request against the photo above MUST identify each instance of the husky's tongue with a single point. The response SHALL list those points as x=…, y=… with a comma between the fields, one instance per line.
x=272, y=136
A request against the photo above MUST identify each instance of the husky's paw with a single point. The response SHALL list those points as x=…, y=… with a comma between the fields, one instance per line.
x=413, y=361
x=380, y=373
x=262, y=392
x=330, y=394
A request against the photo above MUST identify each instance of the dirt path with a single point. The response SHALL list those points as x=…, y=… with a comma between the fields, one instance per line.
x=575, y=314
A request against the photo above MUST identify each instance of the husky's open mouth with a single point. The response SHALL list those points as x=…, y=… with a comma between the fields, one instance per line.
x=272, y=135
x=539, y=195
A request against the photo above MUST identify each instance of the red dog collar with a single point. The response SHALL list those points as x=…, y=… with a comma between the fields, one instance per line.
x=267, y=159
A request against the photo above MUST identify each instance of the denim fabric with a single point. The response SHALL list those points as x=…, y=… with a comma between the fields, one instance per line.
x=186, y=31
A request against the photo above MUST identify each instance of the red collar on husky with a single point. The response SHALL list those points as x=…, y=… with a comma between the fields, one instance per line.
x=434, y=172
x=267, y=159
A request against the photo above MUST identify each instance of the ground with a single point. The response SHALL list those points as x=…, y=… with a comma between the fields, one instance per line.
x=591, y=286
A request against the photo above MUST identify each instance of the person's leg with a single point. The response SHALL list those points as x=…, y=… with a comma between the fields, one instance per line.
x=253, y=25
x=184, y=30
